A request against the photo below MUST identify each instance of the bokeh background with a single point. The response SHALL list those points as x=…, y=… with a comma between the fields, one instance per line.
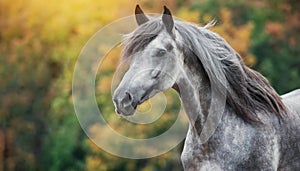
x=41, y=40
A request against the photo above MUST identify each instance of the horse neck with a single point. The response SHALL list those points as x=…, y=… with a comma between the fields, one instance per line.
x=195, y=92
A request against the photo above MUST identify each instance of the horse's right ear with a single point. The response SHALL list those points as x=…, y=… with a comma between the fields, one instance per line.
x=140, y=17
x=168, y=19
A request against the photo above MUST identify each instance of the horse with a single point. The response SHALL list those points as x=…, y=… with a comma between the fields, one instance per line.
x=255, y=128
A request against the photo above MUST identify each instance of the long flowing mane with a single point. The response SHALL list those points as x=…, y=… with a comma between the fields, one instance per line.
x=248, y=92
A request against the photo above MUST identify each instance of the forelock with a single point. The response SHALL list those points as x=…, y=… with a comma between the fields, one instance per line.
x=138, y=39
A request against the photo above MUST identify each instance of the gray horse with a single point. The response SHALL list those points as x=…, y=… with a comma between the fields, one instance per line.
x=253, y=127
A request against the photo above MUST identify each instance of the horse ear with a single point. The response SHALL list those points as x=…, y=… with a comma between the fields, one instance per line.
x=168, y=19
x=140, y=17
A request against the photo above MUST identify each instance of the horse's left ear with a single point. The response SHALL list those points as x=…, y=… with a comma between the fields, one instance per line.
x=140, y=17
x=168, y=19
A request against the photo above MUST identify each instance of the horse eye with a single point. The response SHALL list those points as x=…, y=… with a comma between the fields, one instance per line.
x=161, y=52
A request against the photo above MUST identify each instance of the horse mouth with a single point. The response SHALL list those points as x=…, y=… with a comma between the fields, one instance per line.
x=129, y=109
x=126, y=102
x=126, y=110
x=124, y=106
x=147, y=95
x=144, y=98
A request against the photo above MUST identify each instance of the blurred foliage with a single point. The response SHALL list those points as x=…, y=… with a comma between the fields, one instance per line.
x=39, y=45
x=274, y=39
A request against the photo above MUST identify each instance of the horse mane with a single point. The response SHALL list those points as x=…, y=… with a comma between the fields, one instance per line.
x=248, y=92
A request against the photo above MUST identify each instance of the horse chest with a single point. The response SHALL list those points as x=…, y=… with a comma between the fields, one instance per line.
x=230, y=148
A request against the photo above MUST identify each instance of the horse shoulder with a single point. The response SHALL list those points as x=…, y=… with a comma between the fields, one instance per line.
x=290, y=132
x=292, y=102
x=293, y=95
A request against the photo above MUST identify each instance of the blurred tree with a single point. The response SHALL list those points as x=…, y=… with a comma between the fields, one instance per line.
x=38, y=49
x=27, y=72
x=274, y=41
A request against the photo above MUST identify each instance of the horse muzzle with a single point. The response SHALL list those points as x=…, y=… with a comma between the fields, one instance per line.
x=124, y=102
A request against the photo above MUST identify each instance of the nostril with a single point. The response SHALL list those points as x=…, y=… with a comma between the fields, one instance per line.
x=129, y=96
